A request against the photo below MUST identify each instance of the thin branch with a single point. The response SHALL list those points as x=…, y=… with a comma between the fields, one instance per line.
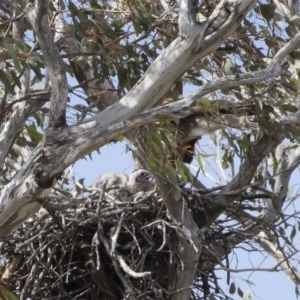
x=279, y=256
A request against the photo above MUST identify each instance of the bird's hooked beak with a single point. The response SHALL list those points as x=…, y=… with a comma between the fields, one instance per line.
x=146, y=177
x=150, y=178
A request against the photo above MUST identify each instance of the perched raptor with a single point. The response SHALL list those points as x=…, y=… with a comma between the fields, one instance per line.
x=123, y=187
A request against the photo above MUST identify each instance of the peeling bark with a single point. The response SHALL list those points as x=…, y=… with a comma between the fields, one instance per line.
x=38, y=17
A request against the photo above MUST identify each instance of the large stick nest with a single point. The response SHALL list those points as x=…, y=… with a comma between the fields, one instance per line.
x=86, y=247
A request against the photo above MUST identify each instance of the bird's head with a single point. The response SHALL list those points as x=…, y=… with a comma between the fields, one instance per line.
x=141, y=180
x=144, y=176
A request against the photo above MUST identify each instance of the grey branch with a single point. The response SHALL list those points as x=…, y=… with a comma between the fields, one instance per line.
x=279, y=256
x=38, y=17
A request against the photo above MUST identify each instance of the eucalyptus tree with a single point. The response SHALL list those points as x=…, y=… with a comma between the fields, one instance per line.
x=120, y=61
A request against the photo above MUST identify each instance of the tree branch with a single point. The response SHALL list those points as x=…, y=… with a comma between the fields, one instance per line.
x=38, y=17
x=251, y=227
x=178, y=57
x=279, y=256
x=83, y=67
x=23, y=110
x=69, y=144
x=187, y=18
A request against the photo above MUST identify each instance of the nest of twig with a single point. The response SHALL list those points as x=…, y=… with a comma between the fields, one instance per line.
x=90, y=248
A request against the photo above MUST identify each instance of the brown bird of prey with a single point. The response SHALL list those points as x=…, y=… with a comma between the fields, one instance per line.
x=122, y=187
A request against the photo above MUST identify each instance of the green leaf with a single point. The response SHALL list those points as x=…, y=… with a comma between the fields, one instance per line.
x=183, y=171
x=5, y=294
x=281, y=231
x=232, y=288
x=297, y=290
x=267, y=11
x=293, y=233
x=152, y=161
x=205, y=102
x=199, y=160
x=73, y=8
x=293, y=130
x=289, y=107
x=5, y=80
x=34, y=134
x=8, y=45
x=165, y=139
x=240, y=292
x=136, y=26
x=156, y=145
x=16, y=79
